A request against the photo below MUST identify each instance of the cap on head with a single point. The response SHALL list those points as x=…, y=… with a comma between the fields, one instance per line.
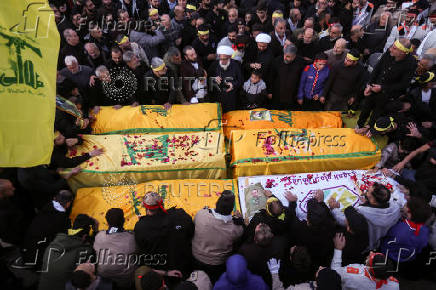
x=224, y=49
x=382, y=124
x=263, y=37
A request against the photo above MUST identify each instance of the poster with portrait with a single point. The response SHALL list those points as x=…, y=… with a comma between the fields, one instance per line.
x=345, y=186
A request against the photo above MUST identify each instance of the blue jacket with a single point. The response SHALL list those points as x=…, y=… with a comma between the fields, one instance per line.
x=238, y=277
x=306, y=82
x=401, y=244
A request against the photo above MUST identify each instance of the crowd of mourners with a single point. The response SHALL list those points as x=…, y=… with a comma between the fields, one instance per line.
x=375, y=59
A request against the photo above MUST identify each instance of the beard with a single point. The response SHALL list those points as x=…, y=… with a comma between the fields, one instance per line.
x=225, y=66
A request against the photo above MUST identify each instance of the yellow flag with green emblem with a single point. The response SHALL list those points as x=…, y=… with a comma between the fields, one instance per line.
x=29, y=47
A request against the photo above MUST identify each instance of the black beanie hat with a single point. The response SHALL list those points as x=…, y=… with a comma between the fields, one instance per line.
x=356, y=221
x=316, y=213
x=328, y=279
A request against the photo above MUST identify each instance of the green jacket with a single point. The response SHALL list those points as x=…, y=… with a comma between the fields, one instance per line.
x=60, y=259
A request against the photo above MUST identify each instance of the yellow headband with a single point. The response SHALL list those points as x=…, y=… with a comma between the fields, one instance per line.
x=72, y=232
x=272, y=199
x=152, y=11
x=401, y=47
x=123, y=40
x=277, y=15
x=159, y=67
x=352, y=57
x=430, y=77
x=191, y=7
x=203, y=32
x=391, y=125
x=56, y=134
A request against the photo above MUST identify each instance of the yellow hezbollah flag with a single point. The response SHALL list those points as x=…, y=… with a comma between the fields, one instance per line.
x=29, y=46
x=270, y=119
x=274, y=151
x=140, y=158
x=155, y=119
x=189, y=194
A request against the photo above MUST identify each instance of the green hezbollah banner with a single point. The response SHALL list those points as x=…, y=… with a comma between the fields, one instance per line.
x=29, y=46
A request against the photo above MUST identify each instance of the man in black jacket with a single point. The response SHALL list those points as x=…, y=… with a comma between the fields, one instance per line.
x=205, y=45
x=51, y=220
x=280, y=37
x=190, y=70
x=259, y=57
x=59, y=158
x=165, y=235
x=227, y=79
x=259, y=250
x=327, y=42
x=389, y=79
x=344, y=83
x=160, y=86
x=285, y=78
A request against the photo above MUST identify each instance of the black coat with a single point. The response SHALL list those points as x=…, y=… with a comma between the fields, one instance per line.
x=265, y=58
x=12, y=222
x=393, y=76
x=423, y=111
x=203, y=50
x=346, y=81
x=97, y=96
x=275, y=44
x=307, y=49
x=278, y=227
x=187, y=70
x=326, y=43
x=318, y=240
x=78, y=51
x=41, y=182
x=159, y=90
x=257, y=256
x=375, y=37
x=167, y=237
x=42, y=231
x=228, y=100
x=286, y=80
x=59, y=160
x=66, y=124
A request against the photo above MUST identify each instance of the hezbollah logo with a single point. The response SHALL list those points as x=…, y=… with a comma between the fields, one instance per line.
x=21, y=40
x=21, y=70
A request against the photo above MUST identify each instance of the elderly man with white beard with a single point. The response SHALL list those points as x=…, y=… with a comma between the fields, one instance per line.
x=227, y=76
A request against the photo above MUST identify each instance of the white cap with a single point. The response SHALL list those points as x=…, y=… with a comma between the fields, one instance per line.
x=224, y=49
x=263, y=37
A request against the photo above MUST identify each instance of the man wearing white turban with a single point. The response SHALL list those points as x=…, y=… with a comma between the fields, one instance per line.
x=227, y=76
x=259, y=58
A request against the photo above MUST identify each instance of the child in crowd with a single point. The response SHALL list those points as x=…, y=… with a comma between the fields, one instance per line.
x=254, y=91
x=312, y=84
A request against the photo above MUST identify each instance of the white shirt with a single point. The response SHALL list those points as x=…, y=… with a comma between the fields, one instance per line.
x=57, y=206
x=426, y=95
x=357, y=277
x=281, y=40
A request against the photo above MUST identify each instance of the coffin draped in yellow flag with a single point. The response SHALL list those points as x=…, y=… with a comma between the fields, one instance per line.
x=29, y=46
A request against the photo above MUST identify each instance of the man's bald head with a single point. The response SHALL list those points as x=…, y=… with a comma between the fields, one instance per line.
x=399, y=52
